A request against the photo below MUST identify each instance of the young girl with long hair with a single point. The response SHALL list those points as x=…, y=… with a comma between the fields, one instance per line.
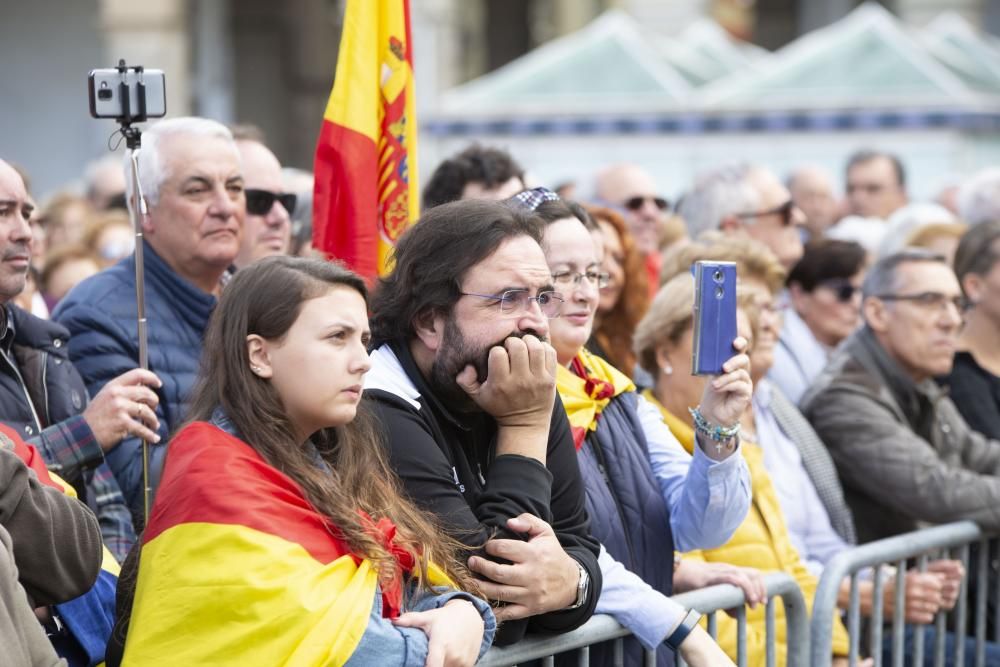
x=279, y=535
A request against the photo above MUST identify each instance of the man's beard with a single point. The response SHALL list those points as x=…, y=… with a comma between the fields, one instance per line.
x=455, y=354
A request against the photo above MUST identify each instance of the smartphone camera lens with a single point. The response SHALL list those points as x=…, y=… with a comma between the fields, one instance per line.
x=104, y=93
x=717, y=276
x=719, y=292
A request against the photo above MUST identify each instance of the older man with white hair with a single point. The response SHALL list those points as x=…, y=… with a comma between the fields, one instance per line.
x=191, y=178
x=746, y=200
x=979, y=198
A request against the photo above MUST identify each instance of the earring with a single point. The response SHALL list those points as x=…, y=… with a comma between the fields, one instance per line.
x=668, y=370
x=255, y=369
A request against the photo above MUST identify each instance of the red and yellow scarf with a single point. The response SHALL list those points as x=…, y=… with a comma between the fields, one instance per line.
x=586, y=388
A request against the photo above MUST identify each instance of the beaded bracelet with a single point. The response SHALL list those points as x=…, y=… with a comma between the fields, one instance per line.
x=718, y=434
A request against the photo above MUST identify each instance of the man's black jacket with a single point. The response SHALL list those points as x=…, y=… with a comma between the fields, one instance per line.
x=447, y=464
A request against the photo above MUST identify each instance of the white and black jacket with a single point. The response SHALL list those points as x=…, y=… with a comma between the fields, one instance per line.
x=447, y=464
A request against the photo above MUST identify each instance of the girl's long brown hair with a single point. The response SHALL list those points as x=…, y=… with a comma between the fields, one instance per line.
x=613, y=330
x=265, y=299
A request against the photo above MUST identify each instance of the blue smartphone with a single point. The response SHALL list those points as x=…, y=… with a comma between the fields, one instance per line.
x=714, y=316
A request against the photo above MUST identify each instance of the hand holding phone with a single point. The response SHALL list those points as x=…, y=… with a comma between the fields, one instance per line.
x=714, y=316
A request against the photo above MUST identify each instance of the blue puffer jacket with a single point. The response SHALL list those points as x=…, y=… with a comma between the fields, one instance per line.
x=100, y=314
x=627, y=512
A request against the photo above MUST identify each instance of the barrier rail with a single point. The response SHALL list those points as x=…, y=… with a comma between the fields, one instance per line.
x=708, y=601
x=897, y=551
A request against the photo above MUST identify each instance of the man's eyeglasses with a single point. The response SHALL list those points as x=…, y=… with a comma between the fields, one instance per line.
x=786, y=211
x=928, y=300
x=635, y=203
x=843, y=290
x=259, y=202
x=598, y=279
x=516, y=301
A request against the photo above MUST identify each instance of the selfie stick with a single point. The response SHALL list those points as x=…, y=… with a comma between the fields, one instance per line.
x=133, y=141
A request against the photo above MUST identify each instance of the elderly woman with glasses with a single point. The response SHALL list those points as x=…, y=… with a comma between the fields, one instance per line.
x=664, y=343
x=824, y=290
x=645, y=494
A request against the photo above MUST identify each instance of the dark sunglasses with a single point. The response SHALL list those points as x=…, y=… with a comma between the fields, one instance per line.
x=786, y=211
x=259, y=202
x=843, y=290
x=635, y=203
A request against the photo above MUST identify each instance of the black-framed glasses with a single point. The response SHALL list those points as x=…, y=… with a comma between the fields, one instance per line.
x=635, y=203
x=928, y=300
x=842, y=289
x=516, y=301
x=786, y=211
x=259, y=202
x=569, y=279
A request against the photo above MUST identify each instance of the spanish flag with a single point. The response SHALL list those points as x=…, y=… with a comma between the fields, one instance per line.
x=237, y=567
x=366, y=189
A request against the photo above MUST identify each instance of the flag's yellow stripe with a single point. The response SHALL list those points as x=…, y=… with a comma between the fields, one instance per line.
x=230, y=595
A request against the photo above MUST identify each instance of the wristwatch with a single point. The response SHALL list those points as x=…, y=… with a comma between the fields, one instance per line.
x=582, y=587
x=681, y=632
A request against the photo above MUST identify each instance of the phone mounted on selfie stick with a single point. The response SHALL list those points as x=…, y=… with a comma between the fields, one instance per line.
x=132, y=94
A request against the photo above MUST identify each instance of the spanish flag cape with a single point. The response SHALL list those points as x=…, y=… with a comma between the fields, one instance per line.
x=586, y=388
x=237, y=567
x=90, y=617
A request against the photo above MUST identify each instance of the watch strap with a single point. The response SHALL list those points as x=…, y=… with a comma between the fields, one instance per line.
x=681, y=632
x=582, y=587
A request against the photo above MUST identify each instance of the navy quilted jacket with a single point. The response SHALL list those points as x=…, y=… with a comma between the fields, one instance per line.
x=100, y=314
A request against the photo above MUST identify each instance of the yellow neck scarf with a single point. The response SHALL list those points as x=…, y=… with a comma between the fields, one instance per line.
x=586, y=388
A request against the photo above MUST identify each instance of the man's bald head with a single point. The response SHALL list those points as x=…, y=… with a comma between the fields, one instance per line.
x=268, y=232
x=811, y=188
x=631, y=189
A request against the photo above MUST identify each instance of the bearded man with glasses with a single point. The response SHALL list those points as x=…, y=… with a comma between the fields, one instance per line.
x=463, y=385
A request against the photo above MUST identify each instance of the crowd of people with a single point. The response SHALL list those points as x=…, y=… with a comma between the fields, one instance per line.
x=503, y=435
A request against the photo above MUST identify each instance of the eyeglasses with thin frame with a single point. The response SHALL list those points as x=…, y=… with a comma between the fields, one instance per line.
x=842, y=289
x=515, y=301
x=635, y=203
x=928, y=300
x=259, y=202
x=786, y=211
x=571, y=279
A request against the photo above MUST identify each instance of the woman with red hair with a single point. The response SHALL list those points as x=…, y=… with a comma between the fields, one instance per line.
x=625, y=299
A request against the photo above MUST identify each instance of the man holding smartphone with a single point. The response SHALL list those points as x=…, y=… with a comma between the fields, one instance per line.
x=463, y=380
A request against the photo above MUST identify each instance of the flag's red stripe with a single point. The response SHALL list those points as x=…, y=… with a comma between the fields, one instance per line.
x=409, y=36
x=345, y=203
x=212, y=477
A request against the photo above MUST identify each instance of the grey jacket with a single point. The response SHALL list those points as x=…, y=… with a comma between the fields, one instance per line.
x=21, y=636
x=817, y=462
x=904, y=453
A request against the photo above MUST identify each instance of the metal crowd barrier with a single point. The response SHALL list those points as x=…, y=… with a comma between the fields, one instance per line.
x=950, y=540
x=708, y=601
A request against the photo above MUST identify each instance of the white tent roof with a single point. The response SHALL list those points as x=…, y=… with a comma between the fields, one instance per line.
x=607, y=65
x=704, y=52
x=866, y=60
x=971, y=55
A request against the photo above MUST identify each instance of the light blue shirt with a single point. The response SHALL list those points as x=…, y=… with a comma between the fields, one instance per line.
x=798, y=358
x=708, y=500
x=805, y=515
